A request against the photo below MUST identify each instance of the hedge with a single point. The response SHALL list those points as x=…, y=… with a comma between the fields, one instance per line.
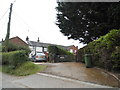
x=54, y=51
x=105, y=51
x=58, y=50
x=14, y=47
x=14, y=58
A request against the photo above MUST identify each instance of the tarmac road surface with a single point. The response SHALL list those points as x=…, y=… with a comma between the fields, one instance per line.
x=42, y=80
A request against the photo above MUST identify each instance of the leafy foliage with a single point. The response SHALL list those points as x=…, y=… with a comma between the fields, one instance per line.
x=53, y=49
x=85, y=21
x=116, y=58
x=14, y=47
x=14, y=58
x=58, y=51
x=55, y=52
x=105, y=51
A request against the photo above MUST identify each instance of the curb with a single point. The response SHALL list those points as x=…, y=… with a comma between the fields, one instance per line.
x=109, y=73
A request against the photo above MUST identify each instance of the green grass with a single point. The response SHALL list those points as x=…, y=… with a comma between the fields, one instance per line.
x=26, y=68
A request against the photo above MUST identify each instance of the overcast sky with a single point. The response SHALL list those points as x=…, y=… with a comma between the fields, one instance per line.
x=33, y=18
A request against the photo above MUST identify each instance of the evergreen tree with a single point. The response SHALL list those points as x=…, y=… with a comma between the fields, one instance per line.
x=87, y=21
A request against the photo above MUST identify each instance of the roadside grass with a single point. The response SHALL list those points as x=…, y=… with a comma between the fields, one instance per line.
x=25, y=69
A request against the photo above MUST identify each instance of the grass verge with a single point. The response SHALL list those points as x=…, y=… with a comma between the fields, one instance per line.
x=26, y=68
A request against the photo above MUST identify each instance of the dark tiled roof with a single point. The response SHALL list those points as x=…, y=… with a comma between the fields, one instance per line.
x=40, y=44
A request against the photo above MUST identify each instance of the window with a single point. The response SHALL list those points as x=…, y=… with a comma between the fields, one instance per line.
x=45, y=49
x=39, y=49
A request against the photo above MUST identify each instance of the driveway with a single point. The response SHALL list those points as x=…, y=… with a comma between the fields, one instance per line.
x=78, y=71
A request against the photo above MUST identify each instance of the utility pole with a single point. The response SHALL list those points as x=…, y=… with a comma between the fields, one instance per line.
x=8, y=28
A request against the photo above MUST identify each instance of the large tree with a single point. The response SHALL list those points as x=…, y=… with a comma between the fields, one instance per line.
x=87, y=21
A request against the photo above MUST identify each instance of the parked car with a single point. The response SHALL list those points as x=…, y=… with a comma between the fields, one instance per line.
x=38, y=56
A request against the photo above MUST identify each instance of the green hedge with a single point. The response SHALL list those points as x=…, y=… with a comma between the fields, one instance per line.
x=57, y=50
x=14, y=47
x=105, y=51
x=14, y=58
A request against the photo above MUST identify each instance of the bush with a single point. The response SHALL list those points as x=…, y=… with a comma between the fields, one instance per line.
x=56, y=50
x=14, y=58
x=116, y=58
x=53, y=49
x=15, y=47
x=105, y=51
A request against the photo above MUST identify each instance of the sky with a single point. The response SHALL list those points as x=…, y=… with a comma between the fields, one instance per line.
x=33, y=18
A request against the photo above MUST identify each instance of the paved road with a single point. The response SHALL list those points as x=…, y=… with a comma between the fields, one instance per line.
x=42, y=80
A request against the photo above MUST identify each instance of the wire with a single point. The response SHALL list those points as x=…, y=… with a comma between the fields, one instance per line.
x=6, y=11
x=28, y=26
x=4, y=14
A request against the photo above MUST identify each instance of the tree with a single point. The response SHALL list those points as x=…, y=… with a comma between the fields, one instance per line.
x=85, y=21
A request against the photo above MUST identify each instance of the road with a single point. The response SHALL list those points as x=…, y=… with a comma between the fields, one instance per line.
x=41, y=80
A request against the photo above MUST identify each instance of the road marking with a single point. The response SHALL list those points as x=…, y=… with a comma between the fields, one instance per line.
x=73, y=80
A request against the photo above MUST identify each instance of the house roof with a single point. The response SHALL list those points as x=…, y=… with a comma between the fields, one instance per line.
x=40, y=44
x=16, y=40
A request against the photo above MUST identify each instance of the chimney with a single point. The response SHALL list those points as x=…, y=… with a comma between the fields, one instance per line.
x=38, y=40
x=27, y=39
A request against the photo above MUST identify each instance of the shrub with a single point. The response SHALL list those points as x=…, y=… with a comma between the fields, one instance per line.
x=15, y=47
x=105, y=51
x=56, y=50
x=116, y=59
x=14, y=58
x=53, y=49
